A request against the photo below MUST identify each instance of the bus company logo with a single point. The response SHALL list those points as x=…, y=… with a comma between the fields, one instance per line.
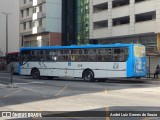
x=6, y=114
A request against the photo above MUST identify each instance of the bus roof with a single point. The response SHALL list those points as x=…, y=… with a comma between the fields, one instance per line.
x=77, y=46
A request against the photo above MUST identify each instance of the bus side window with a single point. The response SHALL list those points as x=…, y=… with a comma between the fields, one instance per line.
x=120, y=54
x=116, y=52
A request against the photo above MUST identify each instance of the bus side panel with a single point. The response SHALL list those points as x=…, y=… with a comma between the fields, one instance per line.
x=56, y=69
x=101, y=69
x=75, y=69
x=116, y=69
x=25, y=71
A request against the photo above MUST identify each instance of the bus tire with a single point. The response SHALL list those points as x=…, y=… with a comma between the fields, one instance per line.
x=88, y=75
x=35, y=74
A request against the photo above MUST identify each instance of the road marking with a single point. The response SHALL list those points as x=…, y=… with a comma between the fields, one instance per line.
x=37, y=82
x=1, y=85
x=107, y=113
x=12, y=93
x=61, y=90
x=106, y=91
x=29, y=83
x=33, y=90
x=21, y=83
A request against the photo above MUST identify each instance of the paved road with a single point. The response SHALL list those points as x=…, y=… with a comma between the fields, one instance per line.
x=66, y=95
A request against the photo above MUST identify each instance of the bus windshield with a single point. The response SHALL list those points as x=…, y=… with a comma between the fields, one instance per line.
x=139, y=51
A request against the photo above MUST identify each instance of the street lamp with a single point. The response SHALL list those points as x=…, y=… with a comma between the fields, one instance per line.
x=6, y=30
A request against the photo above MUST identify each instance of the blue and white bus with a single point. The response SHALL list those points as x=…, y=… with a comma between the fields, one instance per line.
x=89, y=62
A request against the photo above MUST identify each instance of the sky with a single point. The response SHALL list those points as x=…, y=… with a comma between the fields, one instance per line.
x=9, y=6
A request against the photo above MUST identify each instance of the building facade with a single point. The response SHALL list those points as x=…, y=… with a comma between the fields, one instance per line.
x=40, y=22
x=75, y=22
x=127, y=21
x=82, y=21
x=10, y=7
x=69, y=26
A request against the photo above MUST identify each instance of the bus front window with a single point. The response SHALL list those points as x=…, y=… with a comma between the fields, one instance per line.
x=24, y=57
x=139, y=51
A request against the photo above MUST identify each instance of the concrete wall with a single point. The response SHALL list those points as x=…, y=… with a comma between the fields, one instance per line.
x=9, y=6
x=132, y=28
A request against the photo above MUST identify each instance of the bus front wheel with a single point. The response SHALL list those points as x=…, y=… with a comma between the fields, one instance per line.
x=88, y=75
x=35, y=74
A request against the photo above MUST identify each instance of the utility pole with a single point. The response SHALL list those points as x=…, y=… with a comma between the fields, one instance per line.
x=6, y=30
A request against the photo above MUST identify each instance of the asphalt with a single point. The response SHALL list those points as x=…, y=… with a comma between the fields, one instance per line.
x=28, y=95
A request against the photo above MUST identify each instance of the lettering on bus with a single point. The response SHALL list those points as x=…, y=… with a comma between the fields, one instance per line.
x=115, y=66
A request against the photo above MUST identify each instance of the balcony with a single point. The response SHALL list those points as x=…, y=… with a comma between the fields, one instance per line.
x=148, y=5
x=120, y=30
x=98, y=16
x=120, y=11
x=100, y=33
x=25, y=6
x=95, y=2
x=145, y=27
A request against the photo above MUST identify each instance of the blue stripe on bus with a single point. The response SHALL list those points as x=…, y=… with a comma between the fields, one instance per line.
x=76, y=47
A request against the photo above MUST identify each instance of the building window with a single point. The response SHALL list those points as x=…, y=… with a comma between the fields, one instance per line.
x=37, y=9
x=22, y=13
x=40, y=8
x=100, y=7
x=27, y=11
x=100, y=24
x=118, y=3
x=121, y=21
x=40, y=22
x=24, y=1
x=139, y=1
x=35, y=23
x=145, y=16
x=30, y=24
x=34, y=9
x=24, y=26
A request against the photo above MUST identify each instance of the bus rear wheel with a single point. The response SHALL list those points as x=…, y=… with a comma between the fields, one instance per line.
x=88, y=75
x=36, y=74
